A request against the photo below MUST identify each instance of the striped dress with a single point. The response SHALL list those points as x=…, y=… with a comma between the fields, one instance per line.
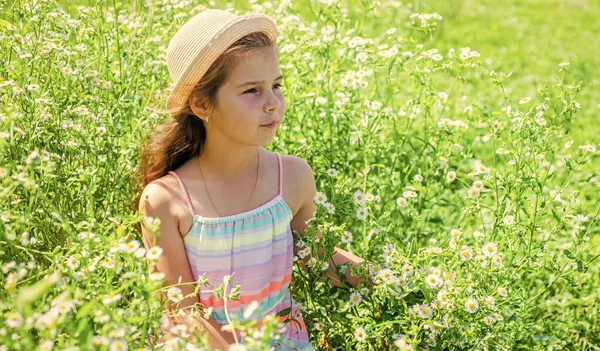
x=256, y=247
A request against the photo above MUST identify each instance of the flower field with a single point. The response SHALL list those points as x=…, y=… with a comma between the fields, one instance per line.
x=454, y=144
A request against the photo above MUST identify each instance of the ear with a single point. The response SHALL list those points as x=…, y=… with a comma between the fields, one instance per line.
x=198, y=106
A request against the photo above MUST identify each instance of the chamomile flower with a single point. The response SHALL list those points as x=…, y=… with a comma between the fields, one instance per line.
x=450, y=176
x=400, y=281
x=502, y=291
x=402, y=345
x=329, y=206
x=386, y=275
x=360, y=334
x=490, y=301
x=320, y=198
x=14, y=320
x=362, y=213
x=154, y=253
x=473, y=192
x=332, y=172
x=466, y=253
x=346, y=237
x=156, y=276
x=502, y=151
x=401, y=202
x=455, y=233
x=360, y=198
x=139, y=253
x=471, y=305
x=452, y=243
x=418, y=178
x=374, y=269
x=72, y=262
x=509, y=220
x=434, y=281
x=409, y=193
x=110, y=298
x=79, y=275
x=489, y=249
x=407, y=270
x=488, y=320
x=118, y=345
x=442, y=297
x=481, y=259
x=478, y=184
x=174, y=294
x=482, y=169
x=132, y=246
x=46, y=345
x=525, y=100
x=355, y=297
x=425, y=311
x=588, y=148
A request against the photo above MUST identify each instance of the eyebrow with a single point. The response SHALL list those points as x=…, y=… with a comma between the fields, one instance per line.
x=257, y=82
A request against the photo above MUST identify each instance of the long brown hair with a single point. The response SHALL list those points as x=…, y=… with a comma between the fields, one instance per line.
x=181, y=137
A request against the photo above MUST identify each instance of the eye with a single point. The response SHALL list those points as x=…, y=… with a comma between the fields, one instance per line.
x=276, y=85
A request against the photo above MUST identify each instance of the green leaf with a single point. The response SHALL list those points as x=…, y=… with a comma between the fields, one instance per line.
x=569, y=254
x=85, y=331
x=29, y=294
x=135, y=320
x=4, y=23
x=83, y=323
x=284, y=312
x=85, y=309
x=436, y=220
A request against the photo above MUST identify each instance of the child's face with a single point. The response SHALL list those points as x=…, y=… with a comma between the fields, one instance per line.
x=245, y=110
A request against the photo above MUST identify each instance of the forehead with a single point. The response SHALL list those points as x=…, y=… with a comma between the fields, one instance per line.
x=258, y=64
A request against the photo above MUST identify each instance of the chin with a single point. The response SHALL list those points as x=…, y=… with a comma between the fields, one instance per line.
x=265, y=142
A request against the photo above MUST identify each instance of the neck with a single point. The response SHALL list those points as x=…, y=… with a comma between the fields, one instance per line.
x=228, y=161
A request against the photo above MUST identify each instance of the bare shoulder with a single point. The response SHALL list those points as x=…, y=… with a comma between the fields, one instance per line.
x=158, y=199
x=157, y=192
x=299, y=181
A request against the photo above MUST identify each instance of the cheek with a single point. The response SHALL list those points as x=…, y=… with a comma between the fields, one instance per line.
x=247, y=103
x=282, y=100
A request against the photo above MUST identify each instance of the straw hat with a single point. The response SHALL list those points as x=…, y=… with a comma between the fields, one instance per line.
x=201, y=40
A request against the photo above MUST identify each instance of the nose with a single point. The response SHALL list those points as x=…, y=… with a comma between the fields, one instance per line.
x=273, y=102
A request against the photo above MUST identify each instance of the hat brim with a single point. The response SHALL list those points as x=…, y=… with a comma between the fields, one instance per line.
x=225, y=37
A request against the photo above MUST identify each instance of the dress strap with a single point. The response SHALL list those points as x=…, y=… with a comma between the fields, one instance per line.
x=187, y=197
x=280, y=173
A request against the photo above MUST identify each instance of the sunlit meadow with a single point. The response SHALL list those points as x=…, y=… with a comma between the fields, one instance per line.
x=469, y=187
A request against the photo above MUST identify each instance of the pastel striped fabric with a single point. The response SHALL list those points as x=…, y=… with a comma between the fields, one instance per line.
x=256, y=248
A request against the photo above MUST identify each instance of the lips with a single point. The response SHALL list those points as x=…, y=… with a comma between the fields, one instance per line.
x=272, y=124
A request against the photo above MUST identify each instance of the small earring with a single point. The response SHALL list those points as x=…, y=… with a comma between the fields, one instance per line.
x=206, y=120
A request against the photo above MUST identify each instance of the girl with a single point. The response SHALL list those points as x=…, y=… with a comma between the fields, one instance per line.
x=226, y=204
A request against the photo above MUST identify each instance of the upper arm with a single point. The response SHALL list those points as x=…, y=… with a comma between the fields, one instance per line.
x=173, y=262
x=307, y=190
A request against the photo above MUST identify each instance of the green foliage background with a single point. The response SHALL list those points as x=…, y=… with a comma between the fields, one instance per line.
x=69, y=148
